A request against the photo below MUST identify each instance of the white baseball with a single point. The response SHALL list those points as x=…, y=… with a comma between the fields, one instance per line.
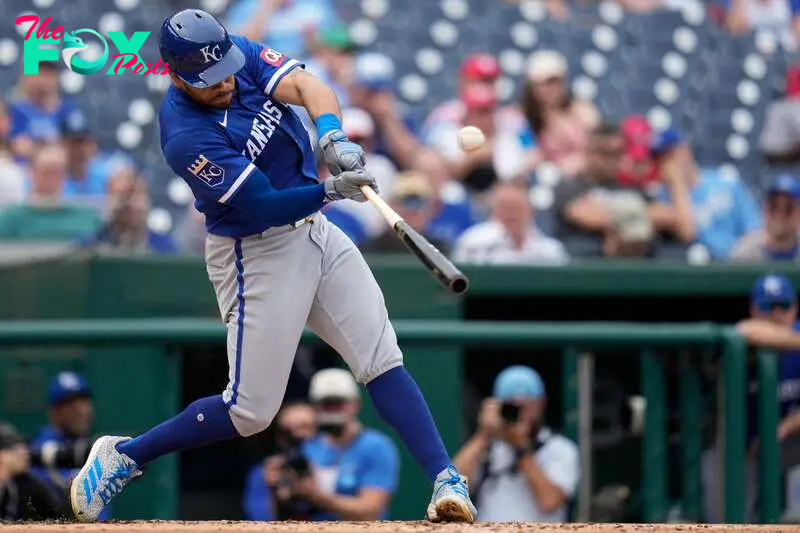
x=470, y=138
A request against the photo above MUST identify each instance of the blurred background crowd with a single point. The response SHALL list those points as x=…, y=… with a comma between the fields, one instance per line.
x=665, y=129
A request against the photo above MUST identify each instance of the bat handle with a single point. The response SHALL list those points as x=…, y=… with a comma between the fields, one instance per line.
x=388, y=213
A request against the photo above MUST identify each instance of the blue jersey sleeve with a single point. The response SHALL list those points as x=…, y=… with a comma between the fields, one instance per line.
x=257, y=499
x=382, y=465
x=267, y=66
x=216, y=172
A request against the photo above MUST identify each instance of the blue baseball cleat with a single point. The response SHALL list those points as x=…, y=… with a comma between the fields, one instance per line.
x=104, y=475
x=450, y=501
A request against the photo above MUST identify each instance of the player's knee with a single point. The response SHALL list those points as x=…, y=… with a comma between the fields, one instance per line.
x=252, y=419
x=378, y=367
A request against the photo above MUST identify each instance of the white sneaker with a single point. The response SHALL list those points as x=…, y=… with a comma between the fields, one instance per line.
x=450, y=501
x=103, y=476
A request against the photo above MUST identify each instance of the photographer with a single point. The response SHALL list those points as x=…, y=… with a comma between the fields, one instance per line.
x=520, y=471
x=352, y=471
x=268, y=492
x=23, y=496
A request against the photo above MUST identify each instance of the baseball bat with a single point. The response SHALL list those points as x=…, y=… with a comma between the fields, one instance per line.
x=434, y=260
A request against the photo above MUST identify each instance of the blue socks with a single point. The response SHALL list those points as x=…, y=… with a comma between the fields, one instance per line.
x=395, y=394
x=203, y=422
x=399, y=401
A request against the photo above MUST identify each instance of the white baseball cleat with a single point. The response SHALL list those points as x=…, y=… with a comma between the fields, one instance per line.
x=104, y=475
x=450, y=501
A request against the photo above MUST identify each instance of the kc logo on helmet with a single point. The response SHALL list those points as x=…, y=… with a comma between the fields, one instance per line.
x=211, y=53
x=207, y=171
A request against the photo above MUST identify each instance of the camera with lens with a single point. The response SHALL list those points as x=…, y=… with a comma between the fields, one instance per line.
x=53, y=454
x=509, y=412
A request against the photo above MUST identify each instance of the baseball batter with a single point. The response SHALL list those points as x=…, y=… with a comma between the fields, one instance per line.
x=275, y=262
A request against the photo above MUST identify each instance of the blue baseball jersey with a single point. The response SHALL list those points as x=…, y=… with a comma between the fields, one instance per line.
x=788, y=388
x=251, y=165
x=371, y=460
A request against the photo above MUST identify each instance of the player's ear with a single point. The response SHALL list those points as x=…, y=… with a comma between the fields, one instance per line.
x=179, y=83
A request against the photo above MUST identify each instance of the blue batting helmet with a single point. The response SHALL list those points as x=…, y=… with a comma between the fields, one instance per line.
x=198, y=48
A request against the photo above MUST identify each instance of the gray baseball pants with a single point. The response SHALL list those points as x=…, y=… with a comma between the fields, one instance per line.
x=270, y=286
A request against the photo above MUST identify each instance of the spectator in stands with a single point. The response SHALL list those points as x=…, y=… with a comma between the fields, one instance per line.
x=781, y=17
x=724, y=210
x=361, y=221
x=39, y=110
x=126, y=228
x=772, y=324
x=510, y=236
x=597, y=215
x=778, y=241
x=71, y=416
x=477, y=70
x=332, y=60
x=559, y=122
x=45, y=216
x=519, y=469
x=354, y=470
x=426, y=208
x=23, y=496
x=373, y=89
x=284, y=25
x=190, y=234
x=268, y=490
x=12, y=179
x=638, y=168
x=89, y=171
x=780, y=136
x=500, y=158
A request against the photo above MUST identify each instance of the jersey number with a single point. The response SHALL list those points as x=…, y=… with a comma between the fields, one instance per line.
x=273, y=57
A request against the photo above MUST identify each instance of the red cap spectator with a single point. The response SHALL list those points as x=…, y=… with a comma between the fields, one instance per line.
x=478, y=97
x=793, y=81
x=480, y=67
x=638, y=168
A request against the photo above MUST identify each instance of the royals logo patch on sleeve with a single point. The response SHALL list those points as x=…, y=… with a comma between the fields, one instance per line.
x=207, y=171
x=273, y=57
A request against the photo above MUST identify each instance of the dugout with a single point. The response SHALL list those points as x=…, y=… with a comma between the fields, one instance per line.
x=139, y=386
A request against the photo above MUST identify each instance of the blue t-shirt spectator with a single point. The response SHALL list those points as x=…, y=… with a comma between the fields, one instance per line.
x=724, y=211
x=370, y=460
x=453, y=220
x=287, y=24
x=37, y=123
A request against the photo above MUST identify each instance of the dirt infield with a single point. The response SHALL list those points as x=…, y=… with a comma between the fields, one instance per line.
x=363, y=527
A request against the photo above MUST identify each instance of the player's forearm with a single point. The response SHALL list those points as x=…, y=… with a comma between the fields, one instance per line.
x=548, y=496
x=589, y=215
x=318, y=98
x=789, y=426
x=467, y=458
x=769, y=335
x=280, y=207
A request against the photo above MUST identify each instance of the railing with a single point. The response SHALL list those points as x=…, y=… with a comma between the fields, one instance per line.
x=576, y=341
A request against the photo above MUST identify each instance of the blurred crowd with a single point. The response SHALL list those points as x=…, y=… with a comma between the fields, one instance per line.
x=615, y=189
